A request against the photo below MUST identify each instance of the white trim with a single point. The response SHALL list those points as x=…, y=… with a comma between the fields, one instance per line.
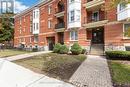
x=74, y=36
x=124, y=31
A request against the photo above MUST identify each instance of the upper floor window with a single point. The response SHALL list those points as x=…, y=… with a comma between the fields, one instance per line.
x=122, y=6
x=127, y=30
x=37, y=26
x=49, y=9
x=78, y=15
x=49, y=23
x=72, y=16
x=71, y=1
x=95, y=16
x=37, y=14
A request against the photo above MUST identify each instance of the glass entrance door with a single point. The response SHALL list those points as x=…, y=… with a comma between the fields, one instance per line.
x=97, y=36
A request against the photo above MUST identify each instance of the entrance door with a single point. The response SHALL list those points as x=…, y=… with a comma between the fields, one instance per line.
x=51, y=42
x=97, y=36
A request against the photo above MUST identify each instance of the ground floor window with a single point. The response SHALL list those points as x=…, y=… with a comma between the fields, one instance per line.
x=35, y=39
x=73, y=35
x=127, y=30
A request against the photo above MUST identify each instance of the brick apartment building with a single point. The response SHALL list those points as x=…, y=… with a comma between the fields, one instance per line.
x=70, y=21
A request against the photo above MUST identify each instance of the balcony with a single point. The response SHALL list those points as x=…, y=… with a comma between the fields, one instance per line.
x=94, y=23
x=60, y=10
x=60, y=14
x=94, y=4
x=60, y=27
x=123, y=14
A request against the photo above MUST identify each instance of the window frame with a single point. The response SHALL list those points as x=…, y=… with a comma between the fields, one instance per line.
x=75, y=37
x=125, y=37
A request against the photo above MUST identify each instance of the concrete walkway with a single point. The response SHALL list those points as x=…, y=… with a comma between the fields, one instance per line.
x=93, y=72
x=22, y=56
x=13, y=75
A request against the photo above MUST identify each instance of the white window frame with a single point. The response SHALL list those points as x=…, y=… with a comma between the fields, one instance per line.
x=74, y=33
x=124, y=37
x=49, y=9
x=72, y=15
x=121, y=7
x=49, y=24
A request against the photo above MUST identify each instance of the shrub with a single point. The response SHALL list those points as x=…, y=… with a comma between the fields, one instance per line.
x=84, y=51
x=76, y=49
x=64, y=49
x=35, y=49
x=118, y=55
x=56, y=48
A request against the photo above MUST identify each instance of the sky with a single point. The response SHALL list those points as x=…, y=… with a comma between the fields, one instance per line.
x=21, y=5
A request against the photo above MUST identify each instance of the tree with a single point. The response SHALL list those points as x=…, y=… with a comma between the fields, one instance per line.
x=114, y=3
x=6, y=30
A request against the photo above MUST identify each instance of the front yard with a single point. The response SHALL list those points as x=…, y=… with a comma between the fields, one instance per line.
x=7, y=52
x=119, y=64
x=60, y=66
x=120, y=73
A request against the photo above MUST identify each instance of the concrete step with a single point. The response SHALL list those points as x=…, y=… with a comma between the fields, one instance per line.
x=97, y=49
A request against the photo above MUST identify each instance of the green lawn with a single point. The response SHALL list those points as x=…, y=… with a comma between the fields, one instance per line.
x=120, y=72
x=60, y=66
x=7, y=53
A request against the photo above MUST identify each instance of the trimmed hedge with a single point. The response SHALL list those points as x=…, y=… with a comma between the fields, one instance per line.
x=56, y=48
x=76, y=49
x=118, y=55
x=63, y=49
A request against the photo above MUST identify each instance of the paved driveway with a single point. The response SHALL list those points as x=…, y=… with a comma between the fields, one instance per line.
x=12, y=75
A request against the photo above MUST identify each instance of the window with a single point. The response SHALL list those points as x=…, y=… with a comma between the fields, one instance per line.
x=77, y=15
x=71, y=1
x=36, y=39
x=95, y=16
x=127, y=30
x=122, y=6
x=37, y=26
x=49, y=23
x=33, y=26
x=73, y=35
x=37, y=14
x=49, y=9
x=34, y=14
x=72, y=16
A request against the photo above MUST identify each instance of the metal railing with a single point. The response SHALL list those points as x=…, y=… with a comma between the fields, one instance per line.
x=60, y=25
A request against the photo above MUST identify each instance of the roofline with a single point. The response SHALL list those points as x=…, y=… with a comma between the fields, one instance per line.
x=30, y=8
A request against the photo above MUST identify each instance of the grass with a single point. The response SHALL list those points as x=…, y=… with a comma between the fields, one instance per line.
x=120, y=73
x=59, y=66
x=7, y=53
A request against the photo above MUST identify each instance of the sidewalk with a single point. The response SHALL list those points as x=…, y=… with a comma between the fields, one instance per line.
x=93, y=72
x=22, y=56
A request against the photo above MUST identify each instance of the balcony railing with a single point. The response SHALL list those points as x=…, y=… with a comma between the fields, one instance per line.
x=91, y=23
x=60, y=25
x=94, y=3
x=59, y=12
